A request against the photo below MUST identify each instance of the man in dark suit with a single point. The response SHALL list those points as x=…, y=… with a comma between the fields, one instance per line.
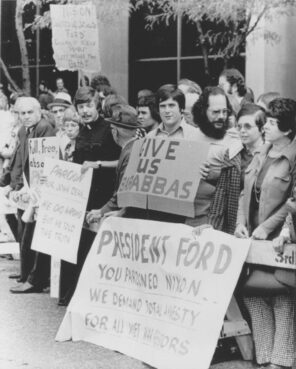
x=34, y=265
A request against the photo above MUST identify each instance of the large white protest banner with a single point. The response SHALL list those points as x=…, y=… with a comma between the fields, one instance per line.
x=40, y=149
x=62, y=210
x=163, y=174
x=153, y=291
x=75, y=37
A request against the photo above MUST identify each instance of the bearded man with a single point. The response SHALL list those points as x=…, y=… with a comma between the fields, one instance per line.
x=211, y=115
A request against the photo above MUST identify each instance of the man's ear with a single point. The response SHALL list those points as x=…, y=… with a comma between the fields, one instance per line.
x=234, y=88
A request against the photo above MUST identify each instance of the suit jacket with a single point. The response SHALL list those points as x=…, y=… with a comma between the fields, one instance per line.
x=95, y=142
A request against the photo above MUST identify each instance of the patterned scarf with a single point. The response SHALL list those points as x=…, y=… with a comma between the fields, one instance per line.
x=224, y=206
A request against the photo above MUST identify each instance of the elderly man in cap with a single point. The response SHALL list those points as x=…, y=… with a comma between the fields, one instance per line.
x=61, y=102
x=124, y=126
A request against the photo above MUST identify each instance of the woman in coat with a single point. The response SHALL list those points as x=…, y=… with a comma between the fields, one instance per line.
x=261, y=214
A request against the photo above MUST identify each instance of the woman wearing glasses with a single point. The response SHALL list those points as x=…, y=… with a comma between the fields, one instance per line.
x=267, y=186
x=250, y=121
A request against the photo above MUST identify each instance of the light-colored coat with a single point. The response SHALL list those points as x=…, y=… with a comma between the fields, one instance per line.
x=276, y=188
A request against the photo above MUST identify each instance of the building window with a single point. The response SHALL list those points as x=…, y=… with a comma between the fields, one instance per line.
x=167, y=53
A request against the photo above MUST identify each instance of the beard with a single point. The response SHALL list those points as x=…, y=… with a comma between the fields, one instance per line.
x=209, y=129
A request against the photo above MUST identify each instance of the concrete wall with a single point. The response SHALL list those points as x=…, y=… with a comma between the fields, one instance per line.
x=113, y=43
x=272, y=67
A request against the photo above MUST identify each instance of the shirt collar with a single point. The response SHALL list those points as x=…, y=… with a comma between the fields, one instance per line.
x=289, y=152
x=180, y=127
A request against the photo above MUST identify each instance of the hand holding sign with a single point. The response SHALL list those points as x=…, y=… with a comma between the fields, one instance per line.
x=205, y=170
x=241, y=231
x=93, y=216
x=259, y=234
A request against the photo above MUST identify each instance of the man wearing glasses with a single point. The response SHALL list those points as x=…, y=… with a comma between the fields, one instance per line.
x=211, y=115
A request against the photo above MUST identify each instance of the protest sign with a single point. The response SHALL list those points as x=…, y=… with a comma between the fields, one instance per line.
x=21, y=199
x=40, y=149
x=75, y=37
x=262, y=252
x=61, y=210
x=6, y=206
x=155, y=292
x=7, y=240
x=163, y=174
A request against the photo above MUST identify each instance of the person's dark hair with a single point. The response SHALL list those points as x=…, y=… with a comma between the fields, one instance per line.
x=267, y=97
x=256, y=110
x=86, y=94
x=150, y=103
x=84, y=81
x=107, y=90
x=98, y=80
x=233, y=76
x=170, y=91
x=199, y=109
x=193, y=87
x=144, y=93
x=284, y=110
x=110, y=102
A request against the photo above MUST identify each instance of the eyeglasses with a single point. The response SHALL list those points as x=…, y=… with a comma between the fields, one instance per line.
x=216, y=113
x=272, y=121
x=246, y=126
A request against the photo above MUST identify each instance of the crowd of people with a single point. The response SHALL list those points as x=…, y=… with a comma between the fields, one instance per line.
x=247, y=185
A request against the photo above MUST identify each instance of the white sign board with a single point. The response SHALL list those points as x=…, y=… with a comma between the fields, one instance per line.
x=262, y=252
x=62, y=210
x=40, y=149
x=75, y=37
x=154, y=292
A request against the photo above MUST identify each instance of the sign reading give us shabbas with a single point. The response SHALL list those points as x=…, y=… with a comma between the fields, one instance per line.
x=155, y=292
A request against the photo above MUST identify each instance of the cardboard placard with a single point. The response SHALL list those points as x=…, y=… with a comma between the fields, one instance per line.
x=61, y=210
x=163, y=174
x=154, y=292
x=21, y=199
x=39, y=150
x=262, y=252
x=75, y=37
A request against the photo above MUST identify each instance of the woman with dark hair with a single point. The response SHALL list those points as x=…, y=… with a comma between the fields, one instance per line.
x=148, y=115
x=262, y=212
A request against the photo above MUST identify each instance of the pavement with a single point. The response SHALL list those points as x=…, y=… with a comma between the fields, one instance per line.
x=28, y=325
